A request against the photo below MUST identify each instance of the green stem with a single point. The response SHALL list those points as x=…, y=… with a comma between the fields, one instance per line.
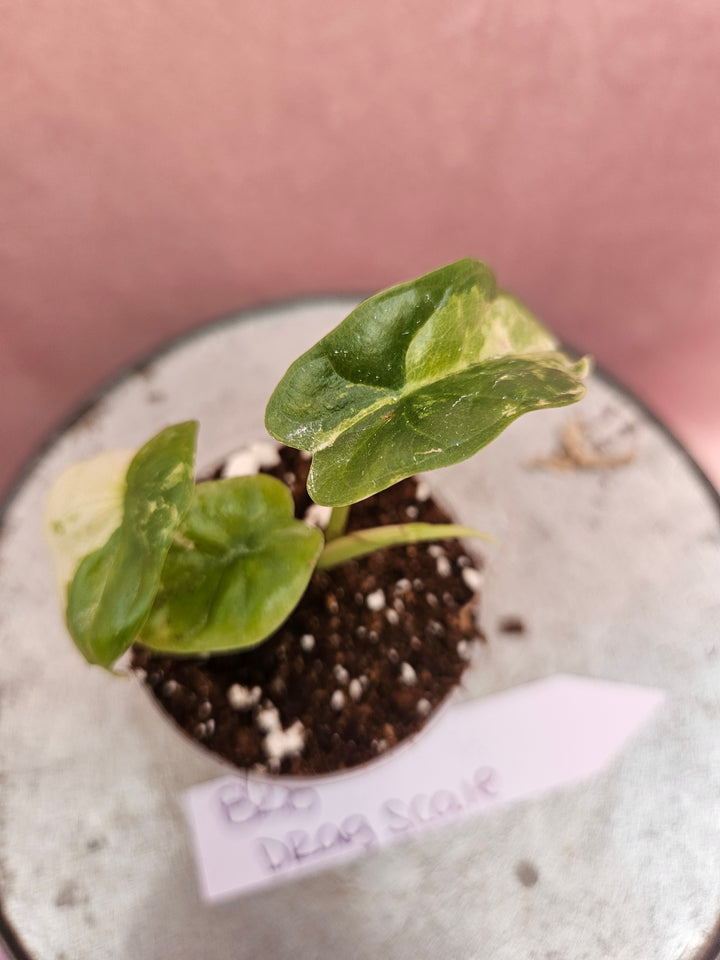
x=362, y=542
x=337, y=524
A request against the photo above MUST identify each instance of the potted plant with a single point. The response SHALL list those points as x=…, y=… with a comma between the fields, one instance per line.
x=307, y=607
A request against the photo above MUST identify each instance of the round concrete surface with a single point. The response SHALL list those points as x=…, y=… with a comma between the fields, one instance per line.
x=614, y=571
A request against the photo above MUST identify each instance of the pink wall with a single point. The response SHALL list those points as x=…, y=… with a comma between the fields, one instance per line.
x=161, y=164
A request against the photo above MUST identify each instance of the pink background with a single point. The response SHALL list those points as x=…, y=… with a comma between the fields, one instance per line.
x=165, y=163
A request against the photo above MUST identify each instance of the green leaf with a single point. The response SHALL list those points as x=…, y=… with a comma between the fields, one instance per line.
x=418, y=377
x=238, y=567
x=113, y=586
x=361, y=542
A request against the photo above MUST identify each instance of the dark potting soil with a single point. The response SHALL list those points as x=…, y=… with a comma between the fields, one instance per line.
x=373, y=648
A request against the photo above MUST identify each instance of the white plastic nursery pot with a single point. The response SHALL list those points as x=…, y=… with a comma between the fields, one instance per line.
x=607, y=567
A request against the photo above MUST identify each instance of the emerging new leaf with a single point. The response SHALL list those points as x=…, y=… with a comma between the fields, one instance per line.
x=238, y=567
x=420, y=376
x=110, y=522
x=84, y=508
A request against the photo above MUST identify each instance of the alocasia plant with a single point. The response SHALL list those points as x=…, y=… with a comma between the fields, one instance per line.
x=421, y=376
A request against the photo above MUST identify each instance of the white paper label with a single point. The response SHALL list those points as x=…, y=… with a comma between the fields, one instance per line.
x=250, y=831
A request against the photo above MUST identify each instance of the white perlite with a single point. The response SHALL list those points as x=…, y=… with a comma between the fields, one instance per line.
x=464, y=650
x=268, y=720
x=392, y=616
x=407, y=674
x=473, y=578
x=341, y=674
x=423, y=706
x=444, y=567
x=355, y=689
x=422, y=491
x=435, y=550
x=375, y=600
x=337, y=700
x=307, y=642
x=279, y=743
x=246, y=462
x=243, y=698
x=318, y=516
